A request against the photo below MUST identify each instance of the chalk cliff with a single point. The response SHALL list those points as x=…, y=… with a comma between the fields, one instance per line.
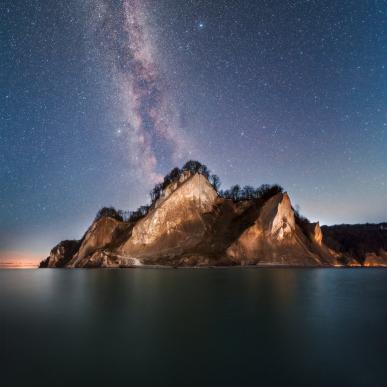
x=191, y=225
x=177, y=222
x=276, y=239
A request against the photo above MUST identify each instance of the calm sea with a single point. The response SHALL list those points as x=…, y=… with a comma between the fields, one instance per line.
x=207, y=327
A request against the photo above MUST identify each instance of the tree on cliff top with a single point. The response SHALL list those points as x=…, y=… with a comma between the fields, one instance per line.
x=195, y=166
x=262, y=193
x=191, y=166
x=215, y=182
x=110, y=212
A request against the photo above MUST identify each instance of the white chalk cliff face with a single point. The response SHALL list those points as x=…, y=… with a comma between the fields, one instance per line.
x=190, y=225
x=101, y=233
x=316, y=233
x=276, y=239
x=277, y=217
x=177, y=220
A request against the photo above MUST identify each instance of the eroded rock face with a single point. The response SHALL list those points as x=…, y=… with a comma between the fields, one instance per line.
x=101, y=234
x=316, y=233
x=173, y=187
x=176, y=221
x=275, y=239
x=61, y=254
x=277, y=217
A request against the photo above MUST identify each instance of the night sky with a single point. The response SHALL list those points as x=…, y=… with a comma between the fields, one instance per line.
x=101, y=98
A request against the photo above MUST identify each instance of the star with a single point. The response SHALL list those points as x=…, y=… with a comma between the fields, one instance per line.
x=201, y=25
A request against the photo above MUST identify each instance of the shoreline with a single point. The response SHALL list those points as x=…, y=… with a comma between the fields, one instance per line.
x=234, y=267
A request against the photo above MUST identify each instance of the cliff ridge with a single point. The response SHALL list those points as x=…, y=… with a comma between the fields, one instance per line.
x=191, y=223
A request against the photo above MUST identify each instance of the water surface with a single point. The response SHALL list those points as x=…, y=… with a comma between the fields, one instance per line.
x=219, y=327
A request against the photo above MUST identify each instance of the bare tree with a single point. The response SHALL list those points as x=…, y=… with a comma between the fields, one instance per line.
x=215, y=182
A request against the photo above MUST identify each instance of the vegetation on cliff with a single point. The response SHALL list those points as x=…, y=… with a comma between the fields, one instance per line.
x=235, y=193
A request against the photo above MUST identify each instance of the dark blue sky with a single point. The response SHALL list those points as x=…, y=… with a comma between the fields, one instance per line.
x=100, y=98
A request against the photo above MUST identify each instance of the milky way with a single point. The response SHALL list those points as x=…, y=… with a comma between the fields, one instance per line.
x=149, y=122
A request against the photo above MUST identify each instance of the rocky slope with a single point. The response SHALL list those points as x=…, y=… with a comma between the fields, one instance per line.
x=275, y=238
x=191, y=225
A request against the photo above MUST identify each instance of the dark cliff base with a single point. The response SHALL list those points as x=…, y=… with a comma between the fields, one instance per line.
x=359, y=241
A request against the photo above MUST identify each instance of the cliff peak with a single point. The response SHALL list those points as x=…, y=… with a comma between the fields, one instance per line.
x=189, y=186
x=278, y=216
x=316, y=232
x=101, y=233
x=175, y=213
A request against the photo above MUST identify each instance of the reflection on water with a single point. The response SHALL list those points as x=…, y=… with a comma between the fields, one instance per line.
x=226, y=327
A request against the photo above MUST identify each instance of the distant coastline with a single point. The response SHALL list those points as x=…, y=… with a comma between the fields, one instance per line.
x=18, y=265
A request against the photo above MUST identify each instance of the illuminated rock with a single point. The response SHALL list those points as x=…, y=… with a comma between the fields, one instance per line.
x=374, y=260
x=316, y=233
x=191, y=225
x=276, y=239
x=102, y=233
x=177, y=221
x=61, y=254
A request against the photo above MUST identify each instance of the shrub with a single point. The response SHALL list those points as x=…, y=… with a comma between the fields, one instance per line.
x=196, y=167
x=262, y=193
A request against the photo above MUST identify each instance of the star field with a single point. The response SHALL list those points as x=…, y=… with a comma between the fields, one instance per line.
x=101, y=98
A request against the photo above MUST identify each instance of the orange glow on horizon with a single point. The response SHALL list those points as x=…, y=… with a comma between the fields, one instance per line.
x=19, y=259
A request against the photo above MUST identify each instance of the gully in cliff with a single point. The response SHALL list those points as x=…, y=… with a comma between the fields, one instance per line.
x=190, y=222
